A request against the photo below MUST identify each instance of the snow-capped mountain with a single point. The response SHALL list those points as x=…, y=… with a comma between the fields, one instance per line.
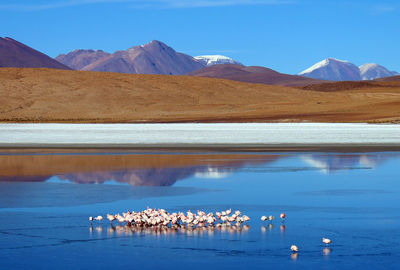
x=210, y=60
x=374, y=71
x=337, y=70
x=333, y=70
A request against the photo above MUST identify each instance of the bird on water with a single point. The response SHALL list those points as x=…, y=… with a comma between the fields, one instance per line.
x=326, y=241
x=99, y=218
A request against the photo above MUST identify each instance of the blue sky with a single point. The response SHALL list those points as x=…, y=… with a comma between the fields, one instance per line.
x=285, y=35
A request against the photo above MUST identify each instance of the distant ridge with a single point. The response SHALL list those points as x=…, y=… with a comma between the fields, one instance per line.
x=154, y=57
x=79, y=59
x=390, y=79
x=253, y=74
x=17, y=54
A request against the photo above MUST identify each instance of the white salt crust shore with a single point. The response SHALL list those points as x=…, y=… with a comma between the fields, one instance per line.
x=192, y=135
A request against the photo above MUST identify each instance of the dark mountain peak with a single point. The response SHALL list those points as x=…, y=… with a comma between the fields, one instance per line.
x=80, y=51
x=156, y=46
x=83, y=51
x=9, y=39
x=154, y=57
x=16, y=54
x=78, y=59
x=156, y=43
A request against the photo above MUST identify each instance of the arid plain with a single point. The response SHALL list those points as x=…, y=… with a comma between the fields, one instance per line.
x=50, y=95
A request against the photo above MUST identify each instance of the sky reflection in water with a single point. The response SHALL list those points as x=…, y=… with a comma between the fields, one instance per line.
x=352, y=198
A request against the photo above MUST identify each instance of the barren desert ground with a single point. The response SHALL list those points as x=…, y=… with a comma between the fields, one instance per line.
x=50, y=95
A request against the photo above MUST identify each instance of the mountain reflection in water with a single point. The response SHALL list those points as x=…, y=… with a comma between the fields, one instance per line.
x=160, y=169
x=332, y=163
x=144, y=177
x=133, y=168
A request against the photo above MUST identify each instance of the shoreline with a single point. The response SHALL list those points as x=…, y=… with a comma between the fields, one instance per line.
x=200, y=136
x=345, y=148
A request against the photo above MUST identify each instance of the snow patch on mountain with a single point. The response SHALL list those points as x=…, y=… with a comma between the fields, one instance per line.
x=374, y=71
x=210, y=60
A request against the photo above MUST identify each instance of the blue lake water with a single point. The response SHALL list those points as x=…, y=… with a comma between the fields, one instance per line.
x=46, y=198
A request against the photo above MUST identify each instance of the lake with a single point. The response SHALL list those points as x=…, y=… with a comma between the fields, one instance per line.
x=46, y=197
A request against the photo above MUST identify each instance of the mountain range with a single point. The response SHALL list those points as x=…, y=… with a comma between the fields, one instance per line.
x=152, y=58
x=157, y=58
x=338, y=70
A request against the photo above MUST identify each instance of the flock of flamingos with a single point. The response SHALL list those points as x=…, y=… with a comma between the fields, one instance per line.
x=161, y=218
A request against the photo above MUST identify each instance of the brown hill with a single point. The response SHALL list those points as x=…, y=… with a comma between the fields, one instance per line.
x=16, y=54
x=50, y=95
x=351, y=85
x=340, y=86
x=253, y=74
x=78, y=59
x=390, y=79
x=152, y=58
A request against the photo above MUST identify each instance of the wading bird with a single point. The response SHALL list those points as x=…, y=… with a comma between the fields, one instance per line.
x=326, y=241
x=245, y=218
x=99, y=218
x=111, y=218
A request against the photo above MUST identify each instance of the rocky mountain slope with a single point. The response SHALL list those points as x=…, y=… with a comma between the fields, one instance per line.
x=78, y=59
x=152, y=58
x=17, y=54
